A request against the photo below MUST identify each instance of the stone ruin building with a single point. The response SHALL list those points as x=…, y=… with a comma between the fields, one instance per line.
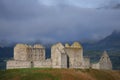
x=104, y=62
x=26, y=56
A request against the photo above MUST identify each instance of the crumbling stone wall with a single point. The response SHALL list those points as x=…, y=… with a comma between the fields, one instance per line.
x=11, y=64
x=104, y=62
x=86, y=63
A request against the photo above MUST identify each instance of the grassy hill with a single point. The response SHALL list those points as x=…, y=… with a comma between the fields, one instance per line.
x=58, y=74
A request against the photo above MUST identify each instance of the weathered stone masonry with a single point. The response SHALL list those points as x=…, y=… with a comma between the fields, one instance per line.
x=26, y=56
x=104, y=62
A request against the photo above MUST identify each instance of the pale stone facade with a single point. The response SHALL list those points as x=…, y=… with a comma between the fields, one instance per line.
x=87, y=64
x=58, y=56
x=75, y=55
x=26, y=56
x=95, y=66
x=43, y=64
x=11, y=64
x=27, y=52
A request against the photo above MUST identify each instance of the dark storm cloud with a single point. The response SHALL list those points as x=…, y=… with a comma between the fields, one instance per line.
x=55, y=21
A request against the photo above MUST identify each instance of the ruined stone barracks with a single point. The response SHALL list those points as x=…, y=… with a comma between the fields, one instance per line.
x=26, y=56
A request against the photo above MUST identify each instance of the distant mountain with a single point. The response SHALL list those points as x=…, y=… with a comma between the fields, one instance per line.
x=5, y=43
x=6, y=52
x=111, y=42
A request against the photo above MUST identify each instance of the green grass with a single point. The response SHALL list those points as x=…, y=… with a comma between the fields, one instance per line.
x=58, y=74
x=26, y=74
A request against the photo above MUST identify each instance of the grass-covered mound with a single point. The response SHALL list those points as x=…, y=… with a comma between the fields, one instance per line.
x=58, y=74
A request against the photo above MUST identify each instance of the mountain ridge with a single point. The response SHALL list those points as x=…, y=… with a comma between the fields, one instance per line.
x=111, y=42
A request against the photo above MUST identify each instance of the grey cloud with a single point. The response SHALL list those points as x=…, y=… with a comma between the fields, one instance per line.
x=20, y=9
x=30, y=20
x=83, y=3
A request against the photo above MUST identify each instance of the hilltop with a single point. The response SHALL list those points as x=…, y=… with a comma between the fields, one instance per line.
x=58, y=74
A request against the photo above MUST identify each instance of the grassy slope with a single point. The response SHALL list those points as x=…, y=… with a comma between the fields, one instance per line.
x=58, y=74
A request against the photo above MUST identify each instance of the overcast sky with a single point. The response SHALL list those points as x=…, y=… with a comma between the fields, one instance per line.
x=58, y=20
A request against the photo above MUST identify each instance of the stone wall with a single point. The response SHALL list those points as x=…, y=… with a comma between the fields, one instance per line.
x=27, y=52
x=75, y=55
x=95, y=66
x=20, y=52
x=11, y=64
x=36, y=54
x=104, y=62
x=58, y=56
x=64, y=61
x=25, y=55
x=43, y=64
x=86, y=63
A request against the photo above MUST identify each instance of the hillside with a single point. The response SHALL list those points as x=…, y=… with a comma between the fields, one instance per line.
x=59, y=74
x=111, y=42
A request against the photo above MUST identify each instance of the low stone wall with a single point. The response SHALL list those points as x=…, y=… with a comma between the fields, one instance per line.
x=86, y=63
x=95, y=66
x=43, y=64
x=13, y=64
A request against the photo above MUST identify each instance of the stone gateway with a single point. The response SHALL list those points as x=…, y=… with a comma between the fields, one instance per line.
x=26, y=56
